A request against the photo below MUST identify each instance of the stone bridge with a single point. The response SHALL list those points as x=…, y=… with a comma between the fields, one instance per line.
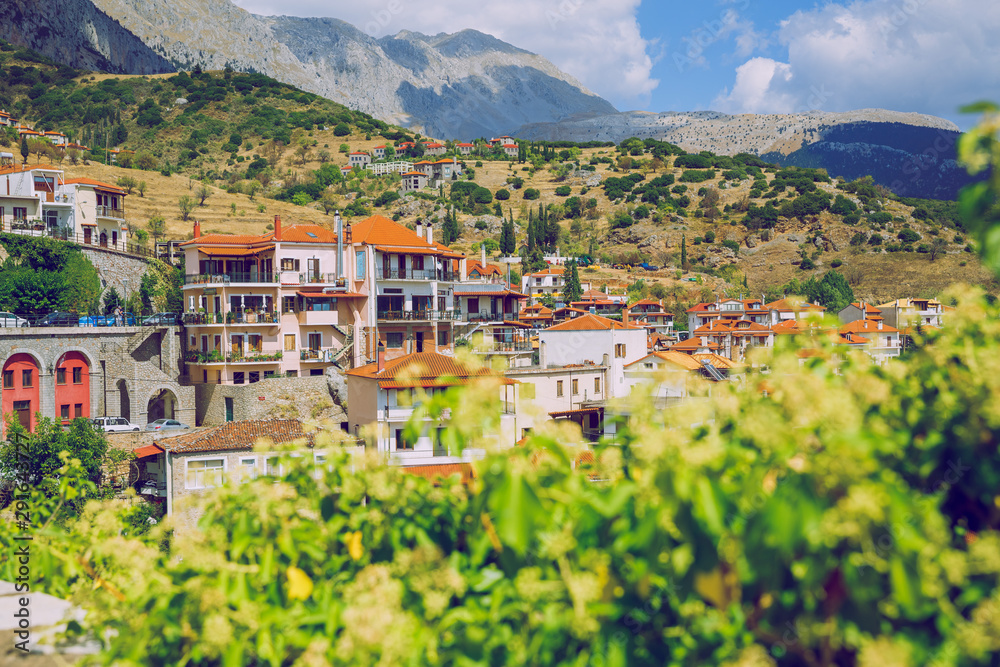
x=67, y=372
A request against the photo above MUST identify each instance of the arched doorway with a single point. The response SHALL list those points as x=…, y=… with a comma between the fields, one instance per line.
x=161, y=406
x=20, y=389
x=124, y=402
x=72, y=387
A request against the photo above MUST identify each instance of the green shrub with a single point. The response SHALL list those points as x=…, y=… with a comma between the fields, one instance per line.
x=563, y=191
x=531, y=194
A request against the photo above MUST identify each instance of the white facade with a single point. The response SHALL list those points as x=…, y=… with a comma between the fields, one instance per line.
x=580, y=345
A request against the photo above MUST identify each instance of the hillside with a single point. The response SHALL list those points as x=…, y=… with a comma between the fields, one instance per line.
x=459, y=86
x=625, y=204
x=912, y=154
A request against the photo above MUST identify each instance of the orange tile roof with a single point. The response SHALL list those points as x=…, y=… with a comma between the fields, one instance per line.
x=23, y=167
x=694, y=344
x=869, y=326
x=439, y=471
x=234, y=252
x=591, y=322
x=553, y=271
x=381, y=231
x=718, y=360
x=869, y=309
x=300, y=234
x=415, y=173
x=237, y=435
x=421, y=369
x=702, y=307
x=487, y=270
x=96, y=184
x=231, y=239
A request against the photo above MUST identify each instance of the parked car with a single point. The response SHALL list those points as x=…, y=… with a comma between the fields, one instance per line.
x=112, y=424
x=97, y=320
x=162, y=320
x=12, y=320
x=59, y=319
x=166, y=425
x=649, y=267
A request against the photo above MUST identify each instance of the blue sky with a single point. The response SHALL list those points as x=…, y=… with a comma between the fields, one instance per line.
x=736, y=56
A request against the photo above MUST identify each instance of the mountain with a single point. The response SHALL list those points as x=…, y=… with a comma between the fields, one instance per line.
x=78, y=34
x=911, y=154
x=460, y=86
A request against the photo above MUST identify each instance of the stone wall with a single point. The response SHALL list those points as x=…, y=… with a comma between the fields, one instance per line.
x=311, y=397
x=115, y=269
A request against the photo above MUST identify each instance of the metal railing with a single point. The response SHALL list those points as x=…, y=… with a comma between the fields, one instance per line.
x=109, y=212
x=67, y=319
x=92, y=240
x=418, y=274
x=326, y=355
x=230, y=357
x=317, y=278
x=229, y=278
x=232, y=317
x=487, y=316
x=419, y=315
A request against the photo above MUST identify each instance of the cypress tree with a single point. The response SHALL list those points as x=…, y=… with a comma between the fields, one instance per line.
x=24, y=149
x=684, y=252
x=573, y=290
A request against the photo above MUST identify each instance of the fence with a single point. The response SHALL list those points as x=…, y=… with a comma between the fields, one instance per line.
x=88, y=240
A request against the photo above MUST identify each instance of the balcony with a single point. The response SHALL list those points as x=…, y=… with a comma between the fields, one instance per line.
x=503, y=347
x=229, y=278
x=486, y=316
x=108, y=212
x=194, y=319
x=231, y=357
x=250, y=317
x=418, y=274
x=317, y=279
x=419, y=315
x=318, y=356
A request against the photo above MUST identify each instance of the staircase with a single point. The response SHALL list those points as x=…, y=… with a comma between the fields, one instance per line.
x=346, y=351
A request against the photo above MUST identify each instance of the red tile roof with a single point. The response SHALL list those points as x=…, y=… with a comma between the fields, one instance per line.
x=300, y=234
x=793, y=304
x=379, y=230
x=685, y=361
x=868, y=326
x=96, y=184
x=237, y=435
x=439, y=471
x=421, y=369
x=231, y=239
x=591, y=322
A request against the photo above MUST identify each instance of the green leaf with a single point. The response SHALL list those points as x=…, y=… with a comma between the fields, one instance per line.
x=516, y=506
x=982, y=106
x=711, y=504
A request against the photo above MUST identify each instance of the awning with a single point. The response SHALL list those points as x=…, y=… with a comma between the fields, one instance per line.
x=573, y=413
x=408, y=250
x=333, y=295
x=89, y=224
x=147, y=450
x=234, y=252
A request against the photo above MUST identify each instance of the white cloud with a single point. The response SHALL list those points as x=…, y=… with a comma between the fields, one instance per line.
x=929, y=56
x=596, y=41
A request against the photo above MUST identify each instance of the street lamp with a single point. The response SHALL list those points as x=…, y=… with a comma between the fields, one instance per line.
x=125, y=309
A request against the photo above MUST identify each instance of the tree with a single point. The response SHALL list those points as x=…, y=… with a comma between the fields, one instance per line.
x=186, y=205
x=111, y=300
x=684, y=252
x=203, y=192
x=342, y=130
x=128, y=183
x=508, y=242
x=329, y=201
x=24, y=149
x=157, y=227
x=141, y=187
x=39, y=461
x=938, y=246
x=572, y=291
x=451, y=229
x=253, y=186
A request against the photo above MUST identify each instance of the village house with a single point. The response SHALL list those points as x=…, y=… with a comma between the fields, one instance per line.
x=386, y=393
x=510, y=150
x=537, y=316
x=434, y=148
x=555, y=392
x=464, y=148
x=413, y=181
x=858, y=311
x=650, y=314
x=881, y=341
x=383, y=152
x=358, y=159
x=907, y=313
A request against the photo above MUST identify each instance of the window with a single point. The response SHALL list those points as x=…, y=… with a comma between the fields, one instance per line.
x=254, y=342
x=289, y=342
x=204, y=474
x=20, y=213
x=64, y=411
x=620, y=350
x=238, y=378
x=77, y=375
x=288, y=264
x=60, y=376
x=394, y=340
x=288, y=304
x=559, y=387
x=315, y=341
x=401, y=441
x=443, y=338
x=291, y=374
x=248, y=469
x=360, y=268
x=8, y=379
x=597, y=385
x=254, y=376
x=268, y=375
x=272, y=467
x=26, y=379
x=78, y=410
x=576, y=387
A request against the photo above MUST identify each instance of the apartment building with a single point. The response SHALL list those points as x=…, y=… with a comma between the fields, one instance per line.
x=260, y=306
x=905, y=313
x=649, y=313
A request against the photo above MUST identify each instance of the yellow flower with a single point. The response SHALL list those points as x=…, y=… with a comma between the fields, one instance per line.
x=300, y=586
x=354, y=545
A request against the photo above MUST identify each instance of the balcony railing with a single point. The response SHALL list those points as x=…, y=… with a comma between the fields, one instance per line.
x=504, y=346
x=419, y=315
x=318, y=278
x=486, y=316
x=231, y=357
x=418, y=274
x=228, y=278
x=325, y=355
x=37, y=227
x=109, y=212
x=203, y=318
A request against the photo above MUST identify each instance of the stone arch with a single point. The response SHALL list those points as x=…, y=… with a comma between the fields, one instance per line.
x=88, y=356
x=22, y=373
x=72, y=385
x=124, y=399
x=35, y=354
x=161, y=404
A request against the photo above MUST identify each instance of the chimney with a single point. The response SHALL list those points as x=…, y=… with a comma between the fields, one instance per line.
x=339, y=226
x=381, y=356
x=606, y=362
x=430, y=234
x=482, y=249
x=542, y=361
x=420, y=229
x=277, y=228
x=879, y=325
x=197, y=229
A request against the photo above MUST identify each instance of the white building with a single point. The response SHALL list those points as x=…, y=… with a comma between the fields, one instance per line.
x=587, y=339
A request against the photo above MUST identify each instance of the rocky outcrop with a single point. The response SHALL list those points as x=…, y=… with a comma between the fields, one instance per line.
x=460, y=86
x=78, y=34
